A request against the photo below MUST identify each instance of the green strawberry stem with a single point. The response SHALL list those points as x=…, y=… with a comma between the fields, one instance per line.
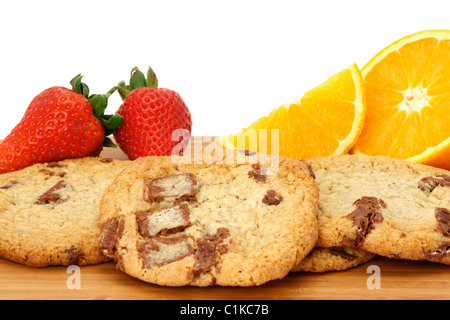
x=111, y=91
x=79, y=87
x=137, y=80
x=123, y=90
x=99, y=102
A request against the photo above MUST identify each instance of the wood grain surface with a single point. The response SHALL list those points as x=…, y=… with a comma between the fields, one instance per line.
x=399, y=279
x=395, y=279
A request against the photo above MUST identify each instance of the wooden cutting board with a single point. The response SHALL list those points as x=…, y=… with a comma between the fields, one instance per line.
x=380, y=278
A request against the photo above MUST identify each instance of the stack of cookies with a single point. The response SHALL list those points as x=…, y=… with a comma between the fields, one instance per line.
x=235, y=219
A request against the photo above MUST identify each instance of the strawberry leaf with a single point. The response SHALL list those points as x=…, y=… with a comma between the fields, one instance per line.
x=109, y=143
x=99, y=102
x=79, y=87
x=152, y=80
x=137, y=79
x=111, y=123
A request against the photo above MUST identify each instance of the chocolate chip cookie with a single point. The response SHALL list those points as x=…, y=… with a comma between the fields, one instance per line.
x=49, y=213
x=333, y=259
x=394, y=208
x=172, y=222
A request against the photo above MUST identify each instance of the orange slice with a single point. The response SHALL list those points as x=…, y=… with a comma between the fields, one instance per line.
x=326, y=120
x=408, y=100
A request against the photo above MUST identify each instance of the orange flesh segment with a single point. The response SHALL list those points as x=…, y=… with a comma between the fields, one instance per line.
x=326, y=120
x=408, y=98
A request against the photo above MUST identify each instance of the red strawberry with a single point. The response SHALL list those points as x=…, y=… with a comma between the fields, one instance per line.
x=154, y=118
x=59, y=124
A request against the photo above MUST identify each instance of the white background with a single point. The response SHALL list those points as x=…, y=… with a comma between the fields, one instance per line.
x=231, y=61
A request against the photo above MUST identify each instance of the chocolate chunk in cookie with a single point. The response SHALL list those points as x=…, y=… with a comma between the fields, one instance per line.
x=111, y=232
x=366, y=216
x=428, y=184
x=163, y=222
x=208, y=248
x=443, y=221
x=51, y=194
x=272, y=198
x=310, y=169
x=439, y=254
x=54, y=165
x=9, y=185
x=258, y=173
x=341, y=252
x=174, y=187
x=73, y=255
x=161, y=251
